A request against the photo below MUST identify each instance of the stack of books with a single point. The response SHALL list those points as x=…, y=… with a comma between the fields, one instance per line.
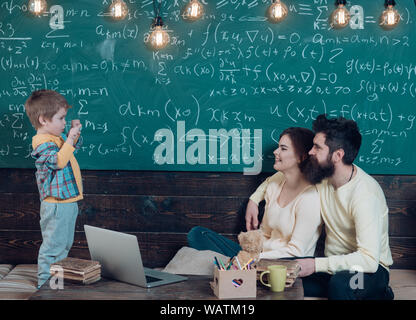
x=292, y=270
x=77, y=270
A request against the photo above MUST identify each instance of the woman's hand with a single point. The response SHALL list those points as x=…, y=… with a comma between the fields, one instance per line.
x=252, y=213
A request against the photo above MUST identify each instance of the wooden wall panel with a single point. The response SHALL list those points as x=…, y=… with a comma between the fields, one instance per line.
x=164, y=183
x=134, y=213
x=161, y=207
x=166, y=213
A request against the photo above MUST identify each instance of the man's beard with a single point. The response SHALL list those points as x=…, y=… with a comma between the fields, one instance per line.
x=315, y=172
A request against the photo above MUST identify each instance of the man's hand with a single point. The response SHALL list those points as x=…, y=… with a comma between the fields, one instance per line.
x=252, y=213
x=307, y=267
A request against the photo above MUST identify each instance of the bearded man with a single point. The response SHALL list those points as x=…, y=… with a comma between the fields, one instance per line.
x=357, y=254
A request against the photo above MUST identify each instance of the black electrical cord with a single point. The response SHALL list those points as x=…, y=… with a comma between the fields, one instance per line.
x=157, y=5
x=343, y=2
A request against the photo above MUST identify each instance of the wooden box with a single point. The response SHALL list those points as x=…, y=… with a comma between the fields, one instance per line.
x=229, y=284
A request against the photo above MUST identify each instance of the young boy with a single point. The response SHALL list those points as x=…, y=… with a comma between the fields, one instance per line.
x=58, y=176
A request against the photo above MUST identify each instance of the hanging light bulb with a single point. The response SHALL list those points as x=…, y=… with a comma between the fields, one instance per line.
x=277, y=11
x=118, y=10
x=193, y=10
x=390, y=17
x=340, y=18
x=37, y=7
x=159, y=38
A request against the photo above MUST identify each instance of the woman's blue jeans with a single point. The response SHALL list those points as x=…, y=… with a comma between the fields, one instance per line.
x=201, y=238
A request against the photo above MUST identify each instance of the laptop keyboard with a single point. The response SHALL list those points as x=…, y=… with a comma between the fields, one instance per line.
x=150, y=279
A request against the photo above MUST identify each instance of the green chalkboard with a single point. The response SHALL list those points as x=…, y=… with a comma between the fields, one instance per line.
x=218, y=96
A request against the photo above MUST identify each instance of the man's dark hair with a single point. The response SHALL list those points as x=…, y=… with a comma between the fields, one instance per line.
x=340, y=133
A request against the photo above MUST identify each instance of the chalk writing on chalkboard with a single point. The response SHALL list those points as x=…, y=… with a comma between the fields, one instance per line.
x=217, y=98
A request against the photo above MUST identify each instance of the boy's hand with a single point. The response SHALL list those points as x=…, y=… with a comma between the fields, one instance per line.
x=75, y=123
x=74, y=132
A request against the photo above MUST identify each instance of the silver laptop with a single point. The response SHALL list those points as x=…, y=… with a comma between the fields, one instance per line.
x=120, y=259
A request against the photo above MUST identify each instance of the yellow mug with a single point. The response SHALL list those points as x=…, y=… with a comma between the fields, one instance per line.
x=277, y=277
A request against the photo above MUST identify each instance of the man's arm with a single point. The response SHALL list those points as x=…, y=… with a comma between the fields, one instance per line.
x=252, y=211
x=367, y=213
x=307, y=266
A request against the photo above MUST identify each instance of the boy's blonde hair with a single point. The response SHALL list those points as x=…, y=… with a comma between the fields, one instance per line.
x=44, y=103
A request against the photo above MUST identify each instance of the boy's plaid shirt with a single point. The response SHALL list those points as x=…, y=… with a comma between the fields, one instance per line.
x=53, y=181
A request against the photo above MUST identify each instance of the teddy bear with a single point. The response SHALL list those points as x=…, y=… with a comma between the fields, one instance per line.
x=251, y=243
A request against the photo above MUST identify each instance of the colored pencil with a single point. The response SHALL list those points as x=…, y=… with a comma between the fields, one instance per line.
x=238, y=262
x=222, y=265
x=245, y=266
x=217, y=263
